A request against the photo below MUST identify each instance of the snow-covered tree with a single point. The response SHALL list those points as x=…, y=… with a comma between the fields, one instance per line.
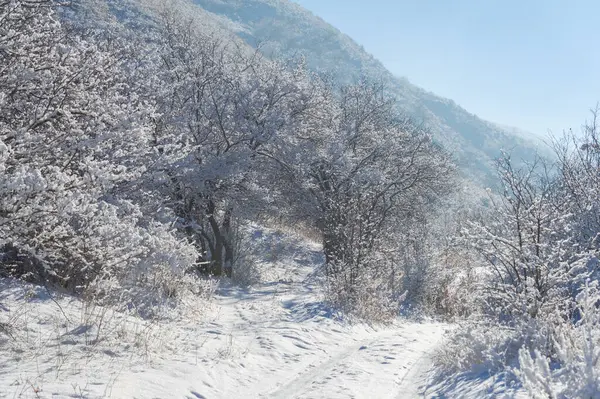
x=219, y=105
x=74, y=135
x=524, y=241
x=369, y=175
x=538, y=246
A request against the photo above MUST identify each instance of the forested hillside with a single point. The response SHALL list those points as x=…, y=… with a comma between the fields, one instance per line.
x=286, y=30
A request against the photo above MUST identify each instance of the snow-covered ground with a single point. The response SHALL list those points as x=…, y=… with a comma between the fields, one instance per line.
x=275, y=340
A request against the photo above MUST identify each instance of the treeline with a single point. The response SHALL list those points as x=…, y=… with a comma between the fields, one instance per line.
x=136, y=139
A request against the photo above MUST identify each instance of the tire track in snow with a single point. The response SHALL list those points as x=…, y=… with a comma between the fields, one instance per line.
x=317, y=371
x=394, y=364
x=413, y=383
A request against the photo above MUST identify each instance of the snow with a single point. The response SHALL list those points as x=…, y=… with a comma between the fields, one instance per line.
x=276, y=340
x=470, y=385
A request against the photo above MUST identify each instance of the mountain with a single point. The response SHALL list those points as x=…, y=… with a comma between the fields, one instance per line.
x=285, y=29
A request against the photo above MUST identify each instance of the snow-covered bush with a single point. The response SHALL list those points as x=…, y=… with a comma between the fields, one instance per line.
x=366, y=296
x=572, y=370
x=449, y=283
x=539, y=273
x=74, y=138
x=248, y=255
x=478, y=346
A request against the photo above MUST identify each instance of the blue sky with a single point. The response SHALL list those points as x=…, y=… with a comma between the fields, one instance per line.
x=532, y=64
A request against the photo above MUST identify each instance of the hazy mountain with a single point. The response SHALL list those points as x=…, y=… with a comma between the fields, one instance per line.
x=285, y=29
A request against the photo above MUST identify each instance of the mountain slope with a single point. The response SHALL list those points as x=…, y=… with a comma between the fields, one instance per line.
x=284, y=29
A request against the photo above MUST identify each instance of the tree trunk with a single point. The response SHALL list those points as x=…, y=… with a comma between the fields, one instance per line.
x=228, y=243
x=216, y=256
x=223, y=252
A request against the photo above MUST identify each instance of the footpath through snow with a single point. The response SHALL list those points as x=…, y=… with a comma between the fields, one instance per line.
x=276, y=340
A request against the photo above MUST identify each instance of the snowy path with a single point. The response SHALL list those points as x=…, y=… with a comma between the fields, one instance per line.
x=392, y=364
x=276, y=340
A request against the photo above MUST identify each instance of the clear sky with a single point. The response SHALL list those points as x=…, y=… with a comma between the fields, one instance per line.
x=532, y=64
